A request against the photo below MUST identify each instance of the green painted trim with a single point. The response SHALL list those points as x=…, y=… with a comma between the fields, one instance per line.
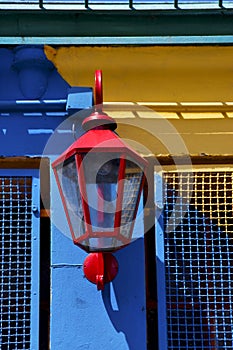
x=121, y=27
x=153, y=40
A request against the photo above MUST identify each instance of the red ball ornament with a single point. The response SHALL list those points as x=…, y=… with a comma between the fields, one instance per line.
x=100, y=268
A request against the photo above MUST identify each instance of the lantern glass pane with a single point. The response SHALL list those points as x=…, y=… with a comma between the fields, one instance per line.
x=101, y=175
x=131, y=193
x=102, y=243
x=68, y=178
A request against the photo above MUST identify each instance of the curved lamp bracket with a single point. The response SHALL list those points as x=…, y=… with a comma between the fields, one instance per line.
x=98, y=92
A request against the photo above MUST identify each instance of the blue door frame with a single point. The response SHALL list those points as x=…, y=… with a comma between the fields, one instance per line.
x=19, y=272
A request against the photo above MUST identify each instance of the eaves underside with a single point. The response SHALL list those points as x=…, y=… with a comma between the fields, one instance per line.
x=118, y=27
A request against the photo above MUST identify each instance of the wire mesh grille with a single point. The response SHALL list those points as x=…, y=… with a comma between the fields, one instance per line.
x=199, y=260
x=15, y=262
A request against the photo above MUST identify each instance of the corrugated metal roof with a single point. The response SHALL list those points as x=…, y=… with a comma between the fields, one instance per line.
x=116, y=4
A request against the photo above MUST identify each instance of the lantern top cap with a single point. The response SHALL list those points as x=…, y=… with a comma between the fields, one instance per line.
x=99, y=120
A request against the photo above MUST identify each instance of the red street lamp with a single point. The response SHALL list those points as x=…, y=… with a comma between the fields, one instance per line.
x=100, y=180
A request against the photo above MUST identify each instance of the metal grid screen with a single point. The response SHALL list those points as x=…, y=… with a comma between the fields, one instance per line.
x=15, y=262
x=198, y=250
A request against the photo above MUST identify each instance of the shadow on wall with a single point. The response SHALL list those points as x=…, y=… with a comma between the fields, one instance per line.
x=124, y=298
x=26, y=75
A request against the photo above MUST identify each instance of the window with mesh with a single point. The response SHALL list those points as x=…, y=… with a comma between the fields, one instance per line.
x=16, y=262
x=198, y=248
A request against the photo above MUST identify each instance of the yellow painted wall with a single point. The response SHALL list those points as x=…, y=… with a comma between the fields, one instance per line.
x=155, y=74
x=168, y=73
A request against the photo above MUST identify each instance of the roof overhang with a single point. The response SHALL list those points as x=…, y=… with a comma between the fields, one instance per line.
x=114, y=27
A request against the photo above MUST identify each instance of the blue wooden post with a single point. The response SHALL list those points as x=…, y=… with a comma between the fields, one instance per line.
x=160, y=267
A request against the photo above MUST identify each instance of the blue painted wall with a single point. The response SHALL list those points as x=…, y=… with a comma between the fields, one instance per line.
x=81, y=317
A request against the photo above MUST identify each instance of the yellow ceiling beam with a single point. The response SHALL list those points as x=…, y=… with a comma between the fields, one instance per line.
x=150, y=73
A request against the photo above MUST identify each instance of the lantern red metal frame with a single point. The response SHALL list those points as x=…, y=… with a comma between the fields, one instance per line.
x=113, y=144
x=100, y=139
